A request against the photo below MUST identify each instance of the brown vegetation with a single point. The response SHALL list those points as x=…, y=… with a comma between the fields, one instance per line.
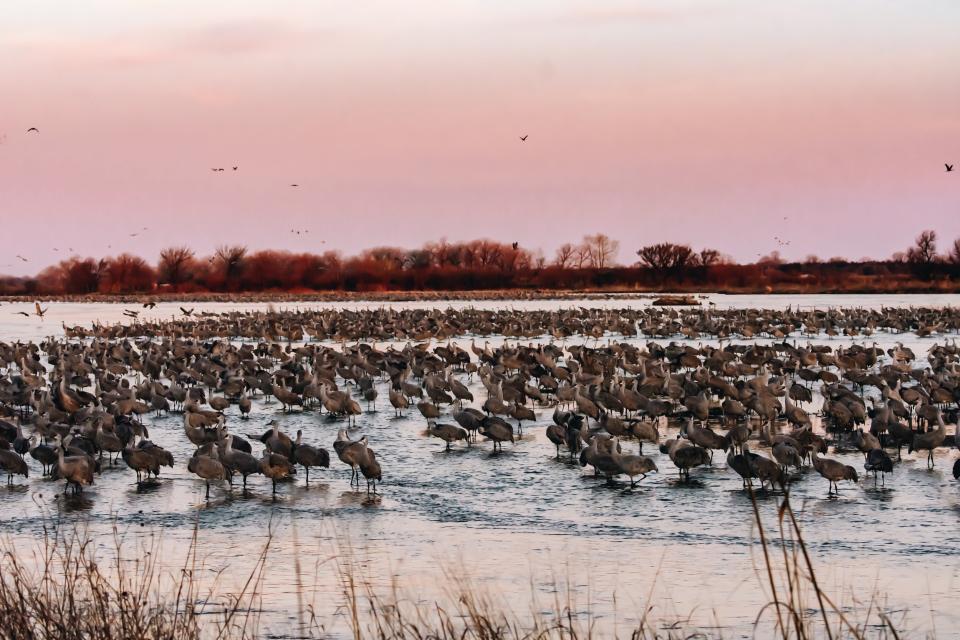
x=66, y=588
x=489, y=265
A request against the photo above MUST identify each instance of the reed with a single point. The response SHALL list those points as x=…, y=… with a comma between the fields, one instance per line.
x=64, y=587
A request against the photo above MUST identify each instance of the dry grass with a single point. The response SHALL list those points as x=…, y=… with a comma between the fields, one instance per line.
x=61, y=589
x=64, y=588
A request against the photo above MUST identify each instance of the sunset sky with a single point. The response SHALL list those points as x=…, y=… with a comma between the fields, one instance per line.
x=712, y=122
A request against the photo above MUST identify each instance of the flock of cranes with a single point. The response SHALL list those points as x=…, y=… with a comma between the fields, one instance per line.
x=85, y=401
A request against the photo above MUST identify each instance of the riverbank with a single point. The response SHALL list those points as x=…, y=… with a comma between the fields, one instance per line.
x=613, y=293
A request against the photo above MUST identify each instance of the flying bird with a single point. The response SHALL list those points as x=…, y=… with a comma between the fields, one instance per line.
x=235, y=168
x=40, y=312
x=131, y=314
x=524, y=138
x=149, y=305
x=949, y=167
x=22, y=258
x=294, y=185
x=21, y=313
x=187, y=312
x=515, y=245
x=33, y=129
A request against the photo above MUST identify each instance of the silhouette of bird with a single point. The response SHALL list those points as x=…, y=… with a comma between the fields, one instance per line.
x=523, y=138
x=149, y=305
x=235, y=168
x=33, y=129
x=515, y=245
x=22, y=313
x=22, y=258
x=949, y=167
x=294, y=185
x=40, y=312
x=186, y=312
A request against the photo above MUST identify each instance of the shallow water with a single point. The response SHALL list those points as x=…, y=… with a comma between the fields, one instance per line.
x=519, y=521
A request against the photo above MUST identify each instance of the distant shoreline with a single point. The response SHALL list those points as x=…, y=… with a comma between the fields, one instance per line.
x=466, y=295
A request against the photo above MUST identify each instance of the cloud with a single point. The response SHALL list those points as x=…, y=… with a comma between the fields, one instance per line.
x=157, y=46
x=635, y=12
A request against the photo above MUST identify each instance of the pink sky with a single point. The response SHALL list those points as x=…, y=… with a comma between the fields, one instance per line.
x=706, y=122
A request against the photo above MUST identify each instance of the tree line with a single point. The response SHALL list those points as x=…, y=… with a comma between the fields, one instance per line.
x=485, y=264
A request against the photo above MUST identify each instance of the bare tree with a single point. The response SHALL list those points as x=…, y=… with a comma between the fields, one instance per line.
x=708, y=257
x=231, y=260
x=667, y=256
x=601, y=249
x=924, y=250
x=175, y=265
x=565, y=255
x=580, y=256
x=954, y=256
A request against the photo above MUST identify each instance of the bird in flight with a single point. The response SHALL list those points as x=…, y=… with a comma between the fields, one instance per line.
x=21, y=313
x=949, y=167
x=22, y=258
x=515, y=245
x=33, y=130
x=149, y=305
x=294, y=185
x=235, y=168
x=187, y=312
x=130, y=313
x=40, y=312
x=524, y=138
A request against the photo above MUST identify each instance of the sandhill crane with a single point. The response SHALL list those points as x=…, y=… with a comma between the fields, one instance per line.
x=865, y=442
x=557, y=434
x=496, y=429
x=459, y=390
x=751, y=465
x=787, y=455
x=163, y=457
x=449, y=433
x=685, y=456
x=308, y=456
x=834, y=471
x=245, y=405
x=196, y=431
x=43, y=453
x=469, y=419
x=207, y=467
x=77, y=470
x=398, y=400
x=520, y=413
x=585, y=405
x=704, y=437
x=633, y=465
x=350, y=452
x=645, y=431
x=370, y=468
x=275, y=440
x=878, y=460
x=140, y=461
x=276, y=467
x=428, y=410
x=929, y=441
x=236, y=461
x=12, y=464
x=286, y=397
